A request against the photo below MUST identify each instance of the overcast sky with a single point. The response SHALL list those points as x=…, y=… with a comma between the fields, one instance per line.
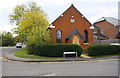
x=91, y=9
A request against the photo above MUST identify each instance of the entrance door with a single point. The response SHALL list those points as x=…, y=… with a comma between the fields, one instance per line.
x=75, y=40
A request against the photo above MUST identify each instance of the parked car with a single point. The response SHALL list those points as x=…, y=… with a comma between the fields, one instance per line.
x=18, y=45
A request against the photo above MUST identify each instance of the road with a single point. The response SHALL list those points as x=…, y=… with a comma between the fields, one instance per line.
x=4, y=50
x=79, y=68
x=0, y=62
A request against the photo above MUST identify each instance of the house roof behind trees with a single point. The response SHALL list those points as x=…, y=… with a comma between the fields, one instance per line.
x=114, y=21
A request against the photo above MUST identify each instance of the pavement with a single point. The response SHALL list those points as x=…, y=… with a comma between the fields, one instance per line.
x=11, y=56
x=85, y=56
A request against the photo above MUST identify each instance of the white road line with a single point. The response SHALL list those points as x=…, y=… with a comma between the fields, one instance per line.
x=50, y=75
x=0, y=67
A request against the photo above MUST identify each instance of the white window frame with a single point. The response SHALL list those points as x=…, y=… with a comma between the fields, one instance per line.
x=59, y=35
x=102, y=31
x=72, y=20
x=94, y=31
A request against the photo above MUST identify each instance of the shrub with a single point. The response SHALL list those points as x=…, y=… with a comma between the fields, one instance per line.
x=103, y=50
x=54, y=50
x=30, y=45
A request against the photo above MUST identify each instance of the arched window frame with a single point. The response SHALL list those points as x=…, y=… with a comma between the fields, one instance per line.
x=59, y=36
x=85, y=36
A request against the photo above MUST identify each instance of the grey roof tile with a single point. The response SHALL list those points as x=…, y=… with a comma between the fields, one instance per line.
x=114, y=21
x=72, y=33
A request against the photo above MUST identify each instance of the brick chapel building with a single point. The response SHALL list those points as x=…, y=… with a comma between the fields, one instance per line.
x=71, y=27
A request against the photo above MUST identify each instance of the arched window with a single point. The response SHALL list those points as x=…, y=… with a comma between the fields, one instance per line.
x=59, y=35
x=85, y=36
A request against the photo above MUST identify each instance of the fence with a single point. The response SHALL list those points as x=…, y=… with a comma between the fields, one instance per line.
x=105, y=42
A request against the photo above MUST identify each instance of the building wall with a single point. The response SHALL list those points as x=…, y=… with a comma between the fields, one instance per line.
x=63, y=23
x=109, y=29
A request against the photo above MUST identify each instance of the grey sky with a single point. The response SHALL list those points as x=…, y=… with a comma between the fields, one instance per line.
x=92, y=9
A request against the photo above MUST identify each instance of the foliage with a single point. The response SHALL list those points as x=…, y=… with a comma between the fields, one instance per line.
x=54, y=50
x=19, y=10
x=103, y=50
x=7, y=39
x=24, y=54
x=17, y=39
x=32, y=22
x=34, y=26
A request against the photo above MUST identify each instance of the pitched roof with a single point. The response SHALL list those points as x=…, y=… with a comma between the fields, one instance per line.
x=114, y=21
x=96, y=27
x=68, y=9
x=72, y=33
x=100, y=36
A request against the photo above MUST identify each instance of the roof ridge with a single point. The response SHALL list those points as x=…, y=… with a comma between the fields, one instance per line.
x=111, y=20
x=66, y=10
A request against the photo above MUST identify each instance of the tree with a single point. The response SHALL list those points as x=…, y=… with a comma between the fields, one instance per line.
x=7, y=39
x=16, y=16
x=34, y=26
x=19, y=10
x=31, y=21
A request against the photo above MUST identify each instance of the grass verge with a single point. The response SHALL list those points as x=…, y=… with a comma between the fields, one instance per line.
x=24, y=54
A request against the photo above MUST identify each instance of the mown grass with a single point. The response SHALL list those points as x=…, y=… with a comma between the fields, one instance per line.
x=24, y=54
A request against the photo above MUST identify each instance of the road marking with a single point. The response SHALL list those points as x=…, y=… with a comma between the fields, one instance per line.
x=50, y=75
x=0, y=67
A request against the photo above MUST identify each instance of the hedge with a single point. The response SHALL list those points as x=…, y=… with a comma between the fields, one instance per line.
x=54, y=50
x=103, y=50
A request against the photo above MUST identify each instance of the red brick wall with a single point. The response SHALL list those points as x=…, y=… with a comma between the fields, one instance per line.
x=66, y=27
x=109, y=29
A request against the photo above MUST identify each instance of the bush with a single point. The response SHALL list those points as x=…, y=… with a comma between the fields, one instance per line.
x=30, y=45
x=54, y=50
x=103, y=50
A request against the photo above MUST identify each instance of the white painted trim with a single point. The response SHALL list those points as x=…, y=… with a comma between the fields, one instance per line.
x=92, y=27
x=69, y=53
x=50, y=75
x=72, y=20
x=95, y=36
x=102, y=31
x=94, y=31
x=51, y=26
x=86, y=43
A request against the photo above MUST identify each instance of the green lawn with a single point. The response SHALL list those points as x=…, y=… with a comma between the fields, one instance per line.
x=23, y=53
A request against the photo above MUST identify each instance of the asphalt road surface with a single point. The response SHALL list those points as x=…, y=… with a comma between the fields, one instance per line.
x=0, y=62
x=79, y=68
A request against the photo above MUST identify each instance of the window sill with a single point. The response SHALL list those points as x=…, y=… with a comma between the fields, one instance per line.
x=86, y=43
